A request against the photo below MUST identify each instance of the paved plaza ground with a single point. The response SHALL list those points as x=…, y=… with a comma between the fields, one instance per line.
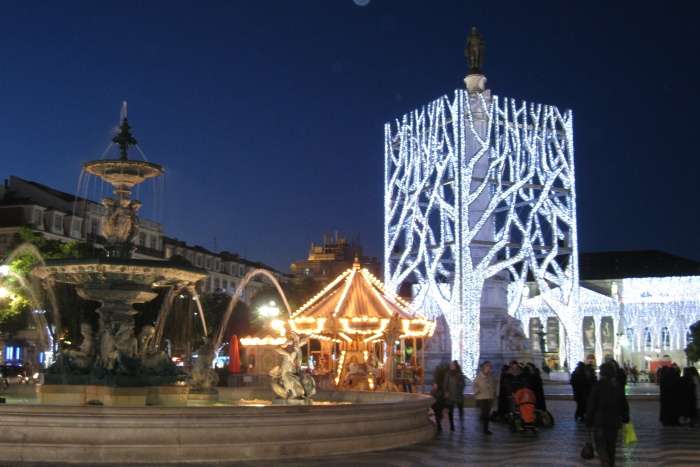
x=559, y=446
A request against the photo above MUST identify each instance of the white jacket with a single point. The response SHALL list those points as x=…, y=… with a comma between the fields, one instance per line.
x=484, y=387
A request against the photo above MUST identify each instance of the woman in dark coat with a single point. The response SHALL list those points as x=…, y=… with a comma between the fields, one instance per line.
x=454, y=393
x=537, y=386
x=669, y=388
x=606, y=411
x=504, y=392
x=688, y=397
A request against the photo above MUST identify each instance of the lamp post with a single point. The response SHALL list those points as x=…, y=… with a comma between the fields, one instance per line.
x=269, y=310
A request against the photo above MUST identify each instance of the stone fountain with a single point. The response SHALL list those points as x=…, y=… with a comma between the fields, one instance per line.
x=145, y=418
x=116, y=358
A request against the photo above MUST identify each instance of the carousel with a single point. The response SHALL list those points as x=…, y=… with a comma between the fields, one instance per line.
x=358, y=336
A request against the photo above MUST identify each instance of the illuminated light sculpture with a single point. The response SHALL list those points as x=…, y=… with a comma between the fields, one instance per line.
x=476, y=185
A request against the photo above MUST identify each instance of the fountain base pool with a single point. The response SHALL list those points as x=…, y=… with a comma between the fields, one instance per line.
x=89, y=394
x=214, y=434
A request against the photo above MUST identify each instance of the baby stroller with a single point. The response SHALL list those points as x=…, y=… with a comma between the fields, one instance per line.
x=524, y=416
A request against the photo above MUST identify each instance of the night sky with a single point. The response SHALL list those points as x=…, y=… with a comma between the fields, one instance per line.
x=268, y=116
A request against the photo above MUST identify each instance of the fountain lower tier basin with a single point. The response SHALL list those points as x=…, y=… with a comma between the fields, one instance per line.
x=216, y=434
x=124, y=395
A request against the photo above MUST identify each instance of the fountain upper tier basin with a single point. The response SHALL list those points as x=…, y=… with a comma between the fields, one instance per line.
x=123, y=171
x=92, y=273
x=213, y=435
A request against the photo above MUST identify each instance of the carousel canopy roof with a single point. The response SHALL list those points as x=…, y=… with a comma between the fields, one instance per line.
x=356, y=303
x=354, y=293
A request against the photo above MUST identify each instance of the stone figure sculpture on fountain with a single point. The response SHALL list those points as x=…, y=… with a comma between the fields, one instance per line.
x=83, y=357
x=152, y=360
x=120, y=225
x=289, y=381
x=203, y=377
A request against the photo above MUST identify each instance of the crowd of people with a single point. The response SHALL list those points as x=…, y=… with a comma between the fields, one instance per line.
x=448, y=391
x=600, y=397
x=679, y=395
x=516, y=376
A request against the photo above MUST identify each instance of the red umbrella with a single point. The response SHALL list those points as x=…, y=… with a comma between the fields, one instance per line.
x=234, y=361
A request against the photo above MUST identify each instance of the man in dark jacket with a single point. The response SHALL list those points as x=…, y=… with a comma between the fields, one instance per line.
x=504, y=393
x=536, y=384
x=582, y=382
x=606, y=411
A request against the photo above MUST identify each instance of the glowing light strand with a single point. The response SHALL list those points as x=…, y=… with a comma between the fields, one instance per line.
x=475, y=185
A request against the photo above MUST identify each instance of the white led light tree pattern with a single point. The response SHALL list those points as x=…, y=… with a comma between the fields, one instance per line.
x=474, y=186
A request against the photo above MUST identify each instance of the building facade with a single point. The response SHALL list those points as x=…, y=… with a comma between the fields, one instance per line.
x=225, y=270
x=330, y=258
x=635, y=306
x=61, y=216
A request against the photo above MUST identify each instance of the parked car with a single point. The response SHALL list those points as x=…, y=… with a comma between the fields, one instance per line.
x=14, y=374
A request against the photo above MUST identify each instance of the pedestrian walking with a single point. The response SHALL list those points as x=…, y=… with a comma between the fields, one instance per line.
x=537, y=385
x=690, y=403
x=670, y=396
x=607, y=409
x=438, y=405
x=504, y=393
x=484, y=394
x=581, y=384
x=454, y=393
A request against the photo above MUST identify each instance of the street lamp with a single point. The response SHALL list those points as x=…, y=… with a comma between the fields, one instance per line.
x=4, y=292
x=269, y=310
x=4, y=270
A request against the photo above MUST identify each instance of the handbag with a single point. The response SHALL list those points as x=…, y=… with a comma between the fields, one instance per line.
x=629, y=436
x=587, y=451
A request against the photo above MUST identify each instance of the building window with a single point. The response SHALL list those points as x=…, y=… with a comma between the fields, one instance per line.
x=647, y=340
x=13, y=353
x=665, y=338
x=241, y=271
x=95, y=226
x=152, y=242
x=57, y=221
x=36, y=217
